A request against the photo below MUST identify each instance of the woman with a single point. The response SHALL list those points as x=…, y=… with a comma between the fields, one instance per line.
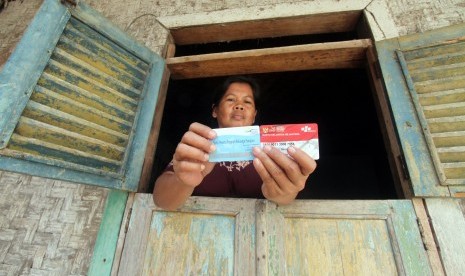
x=272, y=174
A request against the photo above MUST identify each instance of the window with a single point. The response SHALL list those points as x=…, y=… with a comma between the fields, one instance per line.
x=326, y=82
x=82, y=111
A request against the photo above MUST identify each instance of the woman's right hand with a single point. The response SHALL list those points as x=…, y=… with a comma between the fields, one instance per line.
x=190, y=160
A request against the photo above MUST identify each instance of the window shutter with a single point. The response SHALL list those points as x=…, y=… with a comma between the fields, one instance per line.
x=436, y=79
x=87, y=116
x=425, y=77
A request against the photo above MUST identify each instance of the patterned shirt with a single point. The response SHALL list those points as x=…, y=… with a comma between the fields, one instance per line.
x=230, y=179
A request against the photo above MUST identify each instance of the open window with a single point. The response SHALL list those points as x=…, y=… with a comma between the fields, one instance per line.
x=315, y=236
x=305, y=76
x=77, y=100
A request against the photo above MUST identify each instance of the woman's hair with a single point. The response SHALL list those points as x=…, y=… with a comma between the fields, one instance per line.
x=241, y=79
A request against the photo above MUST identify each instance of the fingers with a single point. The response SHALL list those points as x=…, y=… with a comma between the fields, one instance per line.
x=190, y=159
x=195, y=144
x=289, y=174
x=306, y=163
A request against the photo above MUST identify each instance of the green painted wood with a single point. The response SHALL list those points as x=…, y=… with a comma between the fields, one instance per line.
x=43, y=169
x=412, y=250
x=107, y=239
x=25, y=65
x=340, y=237
x=206, y=236
x=146, y=112
x=420, y=166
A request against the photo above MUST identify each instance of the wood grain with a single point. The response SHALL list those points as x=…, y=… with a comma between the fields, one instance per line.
x=346, y=54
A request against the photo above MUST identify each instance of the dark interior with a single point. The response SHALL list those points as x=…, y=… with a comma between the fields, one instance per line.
x=353, y=162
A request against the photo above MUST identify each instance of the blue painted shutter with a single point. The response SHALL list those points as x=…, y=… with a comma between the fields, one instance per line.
x=425, y=77
x=87, y=114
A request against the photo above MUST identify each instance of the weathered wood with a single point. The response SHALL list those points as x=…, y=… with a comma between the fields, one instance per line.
x=391, y=143
x=215, y=236
x=428, y=237
x=421, y=169
x=147, y=169
x=106, y=243
x=26, y=64
x=448, y=222
x=345, y=237
x=423, y=67
x=122, y=235
x=346, y=54
x=300, y=25
x=91, y=63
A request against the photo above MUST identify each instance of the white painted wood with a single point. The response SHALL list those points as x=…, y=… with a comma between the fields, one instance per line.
x=448, y=221
x=380, y=20
x=261, y=12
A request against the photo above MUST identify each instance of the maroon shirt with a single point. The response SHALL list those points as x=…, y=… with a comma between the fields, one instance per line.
x=230, y=179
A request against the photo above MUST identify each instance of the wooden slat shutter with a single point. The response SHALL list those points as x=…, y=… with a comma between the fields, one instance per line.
x=425, y=79
x=436, y=79
x=87, y=116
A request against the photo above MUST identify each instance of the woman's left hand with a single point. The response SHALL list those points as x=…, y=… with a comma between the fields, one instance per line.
x=283, y=177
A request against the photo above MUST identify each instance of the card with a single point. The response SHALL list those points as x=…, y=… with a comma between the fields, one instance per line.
x=303, y=136
x=235, y=143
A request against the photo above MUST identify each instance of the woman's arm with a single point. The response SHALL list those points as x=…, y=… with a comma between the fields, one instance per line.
x=190, y=166
x=283, y=177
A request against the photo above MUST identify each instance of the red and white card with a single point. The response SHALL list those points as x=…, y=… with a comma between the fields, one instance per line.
x=303, y=136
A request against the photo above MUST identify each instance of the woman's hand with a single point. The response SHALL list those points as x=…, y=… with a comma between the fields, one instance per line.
x=190, y=160
x=283, y=177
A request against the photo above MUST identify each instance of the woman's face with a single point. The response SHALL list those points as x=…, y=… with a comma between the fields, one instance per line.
x=236, y=107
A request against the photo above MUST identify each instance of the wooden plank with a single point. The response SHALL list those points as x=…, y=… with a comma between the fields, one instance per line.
x=226, y=227
x=344, y=237
x=448, y=222
x=144, y=120
x=84, y=82
x=428, y=237
x=346, y=54
x=147, y=169
x=105, y=245
x=54, y=100
x=387, y=128
x=330, y=22
x=82, y=96
x=122, y=234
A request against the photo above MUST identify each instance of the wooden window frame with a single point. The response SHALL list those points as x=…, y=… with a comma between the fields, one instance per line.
x=357, y=53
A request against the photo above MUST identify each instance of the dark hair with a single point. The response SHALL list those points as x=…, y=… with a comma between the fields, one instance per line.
x=241, y=79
